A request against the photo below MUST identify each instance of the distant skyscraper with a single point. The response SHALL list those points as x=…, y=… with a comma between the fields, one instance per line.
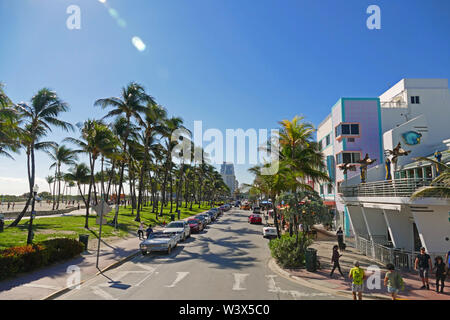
x=227, y=172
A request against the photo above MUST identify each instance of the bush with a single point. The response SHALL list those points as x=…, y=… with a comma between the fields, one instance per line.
x=287, y=252
x=30, y=257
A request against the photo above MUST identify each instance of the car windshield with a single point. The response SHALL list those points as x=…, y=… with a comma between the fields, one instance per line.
x=175, y=225
x=193, y=221
x=159, y=235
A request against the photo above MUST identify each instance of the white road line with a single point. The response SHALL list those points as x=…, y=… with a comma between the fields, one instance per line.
x=42, y=286
x=294, y=293
x=239, y=278
x=101, y=293
x=150, y=273
x=271, y=283
x=180, y=276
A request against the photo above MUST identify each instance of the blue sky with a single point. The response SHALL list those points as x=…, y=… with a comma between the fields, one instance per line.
x=232, y=64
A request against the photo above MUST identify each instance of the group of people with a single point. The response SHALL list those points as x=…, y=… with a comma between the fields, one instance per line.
x=148, y=231
x=393, y=280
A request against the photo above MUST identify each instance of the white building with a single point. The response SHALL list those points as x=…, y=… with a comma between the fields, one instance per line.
x=228, y=176
x=380, y=213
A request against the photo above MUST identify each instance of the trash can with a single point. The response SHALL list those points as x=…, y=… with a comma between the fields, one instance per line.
x=2, y=222
x=311, y=259
x=172, y=217
x=83, y=238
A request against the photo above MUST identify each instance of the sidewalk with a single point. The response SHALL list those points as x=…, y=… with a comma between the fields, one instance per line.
x=41, y=283
x=324, y=244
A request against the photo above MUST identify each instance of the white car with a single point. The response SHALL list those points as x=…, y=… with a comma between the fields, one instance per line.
x=269, y=232
x=179, y=226
x=159, y=241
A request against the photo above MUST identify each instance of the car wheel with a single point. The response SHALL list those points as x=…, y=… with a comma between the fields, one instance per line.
x=144, y=252
x=169, y=250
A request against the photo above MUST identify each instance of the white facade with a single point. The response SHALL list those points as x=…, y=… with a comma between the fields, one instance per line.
x=228, y=176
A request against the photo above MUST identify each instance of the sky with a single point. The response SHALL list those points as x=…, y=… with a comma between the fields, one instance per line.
x=228, y=63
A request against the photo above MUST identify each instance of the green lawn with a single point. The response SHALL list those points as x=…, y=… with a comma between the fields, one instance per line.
x=72, y=226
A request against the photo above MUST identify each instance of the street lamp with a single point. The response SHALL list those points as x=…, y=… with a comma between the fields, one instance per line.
x=30, y=225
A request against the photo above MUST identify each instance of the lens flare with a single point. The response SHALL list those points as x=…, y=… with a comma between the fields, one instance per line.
x=138, y=43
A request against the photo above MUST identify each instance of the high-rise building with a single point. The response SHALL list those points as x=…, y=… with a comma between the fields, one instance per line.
x=227, y=172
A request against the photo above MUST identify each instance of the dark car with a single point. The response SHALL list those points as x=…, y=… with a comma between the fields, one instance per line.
x=195, y=225
x=202, y=220
x=212, y=215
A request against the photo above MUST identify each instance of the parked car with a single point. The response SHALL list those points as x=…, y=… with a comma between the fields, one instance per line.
x=179, y=234
x=269, y=232
x=181, y=226
x=245, y=206
x=257, y=210
x=216, y=211
x=203, y=220
x=212, y=215
x=207, y=217
x=159, y=241
x=195, y=225
x=255, y=218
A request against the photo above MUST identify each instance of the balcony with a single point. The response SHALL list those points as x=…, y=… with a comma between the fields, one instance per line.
x=388, y=188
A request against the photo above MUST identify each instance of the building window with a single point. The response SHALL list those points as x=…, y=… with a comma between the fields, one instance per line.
x=347, y=129
x=321, y=189
x=415, y=100
x=328, y=140
x=350, y=139
x=348, y=157
x=330, y=189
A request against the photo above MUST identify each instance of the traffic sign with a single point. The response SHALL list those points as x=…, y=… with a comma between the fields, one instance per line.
x=98, y=208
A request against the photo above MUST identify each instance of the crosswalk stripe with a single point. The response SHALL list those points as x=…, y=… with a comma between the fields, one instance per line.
x=180, y=276
x=239, y=278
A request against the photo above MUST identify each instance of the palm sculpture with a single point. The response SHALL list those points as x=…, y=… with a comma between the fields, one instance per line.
x=345, y=167
x=364, y=164
x=398, y=151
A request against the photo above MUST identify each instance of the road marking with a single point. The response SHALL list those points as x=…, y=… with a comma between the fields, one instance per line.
x=105, y=295
x=294, y=293
x=42, y=286
x=151, y=271
x=238, y=279
x=180, y=276
x=271, y=283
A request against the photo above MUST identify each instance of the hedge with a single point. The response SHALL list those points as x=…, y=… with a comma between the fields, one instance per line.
x=288, y=252
x=30, y=257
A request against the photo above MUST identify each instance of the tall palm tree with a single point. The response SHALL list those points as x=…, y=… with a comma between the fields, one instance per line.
x=80, y=174
x=130, y=104
x=9, y=126
x=38, y=118
x=96, y=140
x=61, y=155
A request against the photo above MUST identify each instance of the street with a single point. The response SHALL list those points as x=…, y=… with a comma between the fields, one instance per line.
x=229, y=260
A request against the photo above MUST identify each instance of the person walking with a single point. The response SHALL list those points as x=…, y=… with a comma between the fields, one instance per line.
x=357, y=275
x=393, y=281
x=335, y=261
x=141, y=231
x=340, y=238
x=441, y=273
x=423, y=265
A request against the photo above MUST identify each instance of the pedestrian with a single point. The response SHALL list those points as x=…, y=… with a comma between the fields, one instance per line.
x=423, y=265
x=9, y=204
x=393, y=281
x=340, y=238
x=441, y=273
x=357, y=275
x=14, y=204
x=447, y=258
x=149, y=230
x=335, y=261
x=141, y=231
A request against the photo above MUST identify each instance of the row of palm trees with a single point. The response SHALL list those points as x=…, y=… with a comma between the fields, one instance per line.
x=300, y=163
x=135, y=148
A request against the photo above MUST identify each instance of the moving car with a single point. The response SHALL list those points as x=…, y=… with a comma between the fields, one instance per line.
x=180, y=226
x=255, y=218
x=245, y=206
x=269, y=232
x=195, y=225
x=159, y=241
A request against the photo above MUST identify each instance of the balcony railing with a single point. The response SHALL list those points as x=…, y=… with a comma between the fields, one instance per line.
x=388, y=188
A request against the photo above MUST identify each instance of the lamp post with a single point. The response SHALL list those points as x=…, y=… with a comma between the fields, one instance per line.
x=30, y=225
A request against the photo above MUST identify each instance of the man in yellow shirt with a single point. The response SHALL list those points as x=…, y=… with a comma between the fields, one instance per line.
x=357, y=275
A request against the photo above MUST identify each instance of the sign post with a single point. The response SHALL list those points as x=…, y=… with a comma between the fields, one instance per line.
x=102, y=208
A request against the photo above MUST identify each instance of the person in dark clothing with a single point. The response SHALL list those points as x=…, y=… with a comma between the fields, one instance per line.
x=423, y=265
x=340, y=238
x=148, y=231
x=441, y=273
x=335, y=260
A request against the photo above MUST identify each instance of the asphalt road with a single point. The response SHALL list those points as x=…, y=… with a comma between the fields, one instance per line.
x=229, y=260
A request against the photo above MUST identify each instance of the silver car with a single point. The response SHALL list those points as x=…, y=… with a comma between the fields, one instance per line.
x=159, y=241
x=179, y=226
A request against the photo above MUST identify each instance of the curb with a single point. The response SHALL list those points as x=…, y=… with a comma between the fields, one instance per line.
x=111, y=266
x=276, y=268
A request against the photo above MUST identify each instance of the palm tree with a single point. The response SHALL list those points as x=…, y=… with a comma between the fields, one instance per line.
x=440, y=186
x=38, y=118
x=9, y=126
x=130, y=105
x=96, y=139
x=61, y=155
x=50, y=180
x=80, y=174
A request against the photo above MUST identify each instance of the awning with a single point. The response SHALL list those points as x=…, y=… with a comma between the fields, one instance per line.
x=330, y=203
